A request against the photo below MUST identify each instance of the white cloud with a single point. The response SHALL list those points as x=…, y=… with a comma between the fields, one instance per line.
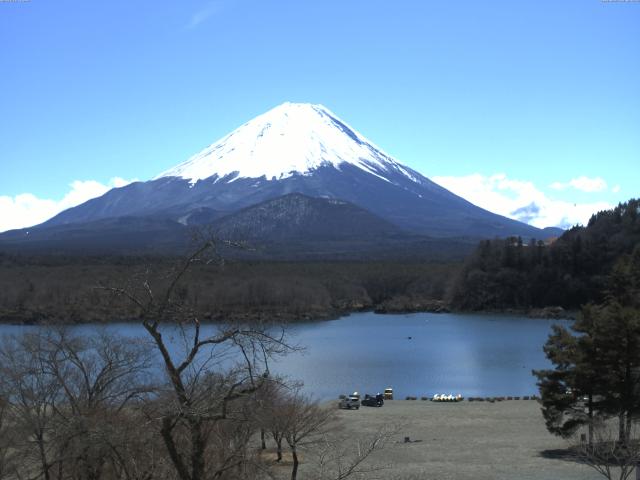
x=615, y=188
x=584, y=184
x=520, y=200
x=204, y=14
x=118, y=182
x=26, y=209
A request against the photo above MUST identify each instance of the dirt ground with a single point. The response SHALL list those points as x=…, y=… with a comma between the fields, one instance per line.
x=463, y=441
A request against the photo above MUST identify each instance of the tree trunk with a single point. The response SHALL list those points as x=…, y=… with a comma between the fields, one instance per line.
x=628, y=400
x=43, y=457
x=621, y=428
x=167, y=436
x=590, y=420
x=279, y=449
x=294, y=472
x=198, y=445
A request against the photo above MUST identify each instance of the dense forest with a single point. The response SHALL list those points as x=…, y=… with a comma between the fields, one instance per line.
x=52, y=289
x=570, y=272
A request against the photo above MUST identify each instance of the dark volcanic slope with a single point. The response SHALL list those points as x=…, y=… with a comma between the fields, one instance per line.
x=299, y=217
x=128, y=235
x=292, y=227
x=421, y=207
x=298, y=227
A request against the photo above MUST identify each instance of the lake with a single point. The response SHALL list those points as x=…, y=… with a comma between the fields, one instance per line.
x=416, y=354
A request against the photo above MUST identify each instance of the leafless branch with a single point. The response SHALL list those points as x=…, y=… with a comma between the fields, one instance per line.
x=607, y=455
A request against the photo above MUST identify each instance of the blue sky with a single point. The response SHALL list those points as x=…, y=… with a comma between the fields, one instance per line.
x=530, y=105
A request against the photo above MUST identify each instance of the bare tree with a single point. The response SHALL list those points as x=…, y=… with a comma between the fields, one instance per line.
x=293, y=419
x=31, y=395
x=134, y=451
x=339, y=459
x=100, y=376
x=606, y=454
x=208, y=376
x=270, y=412
x=304, y=420
x=68, y=395
x=7, y=441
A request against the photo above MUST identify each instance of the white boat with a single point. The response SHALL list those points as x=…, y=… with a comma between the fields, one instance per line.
x=447, y=398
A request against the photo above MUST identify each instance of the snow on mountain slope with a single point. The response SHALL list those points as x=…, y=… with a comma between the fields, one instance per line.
x=304, y=149
x=290, y=138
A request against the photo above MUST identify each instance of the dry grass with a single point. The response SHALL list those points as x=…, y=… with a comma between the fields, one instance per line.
x=463, y=441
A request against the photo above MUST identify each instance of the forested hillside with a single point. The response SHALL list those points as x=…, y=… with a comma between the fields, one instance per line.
x=53, y=289
x=572, y=271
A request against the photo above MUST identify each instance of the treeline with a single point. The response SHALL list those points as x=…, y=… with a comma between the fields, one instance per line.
x=572, y=271
x=71, y=289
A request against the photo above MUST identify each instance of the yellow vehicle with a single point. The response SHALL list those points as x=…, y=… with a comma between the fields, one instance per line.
x=388, y=393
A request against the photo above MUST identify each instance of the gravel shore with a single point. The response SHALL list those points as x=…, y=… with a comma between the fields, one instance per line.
x=465, y=441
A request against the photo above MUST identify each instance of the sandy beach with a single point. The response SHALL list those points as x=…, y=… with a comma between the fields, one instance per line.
x=463, y=441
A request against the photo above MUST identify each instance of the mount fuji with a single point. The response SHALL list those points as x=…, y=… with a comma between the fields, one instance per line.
x=295, y=148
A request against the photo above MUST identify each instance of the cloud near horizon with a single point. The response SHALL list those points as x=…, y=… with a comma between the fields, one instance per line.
x=517, y=199
x=26, y=209
x=521, y=200
x=584, y=184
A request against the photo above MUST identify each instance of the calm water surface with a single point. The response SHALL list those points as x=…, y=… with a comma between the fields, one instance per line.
x=475, y=355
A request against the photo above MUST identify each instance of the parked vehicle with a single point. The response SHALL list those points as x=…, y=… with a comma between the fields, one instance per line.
x=373, y=400
x=388, y=393
x=349, y=402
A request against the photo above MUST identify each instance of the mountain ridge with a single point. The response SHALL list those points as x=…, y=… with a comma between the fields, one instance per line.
x=291, y=227
x=307, y=150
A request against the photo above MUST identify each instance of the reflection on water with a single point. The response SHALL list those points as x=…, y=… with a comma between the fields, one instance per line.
x=417, y=354
x=475, y=355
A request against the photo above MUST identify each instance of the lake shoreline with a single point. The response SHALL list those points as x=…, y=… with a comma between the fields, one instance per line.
x=29, y=317
x=476, y=355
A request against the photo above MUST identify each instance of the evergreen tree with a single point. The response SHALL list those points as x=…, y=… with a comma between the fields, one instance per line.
x=570, y=272
x=613, y=330
x=567, y=390
x=597, y=367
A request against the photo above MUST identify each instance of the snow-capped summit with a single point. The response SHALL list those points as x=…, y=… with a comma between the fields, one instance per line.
x=292, y=138
x=295, y=148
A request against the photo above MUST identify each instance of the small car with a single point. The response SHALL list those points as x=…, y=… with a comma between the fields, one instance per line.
x=349, y=402
x=373, y=400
